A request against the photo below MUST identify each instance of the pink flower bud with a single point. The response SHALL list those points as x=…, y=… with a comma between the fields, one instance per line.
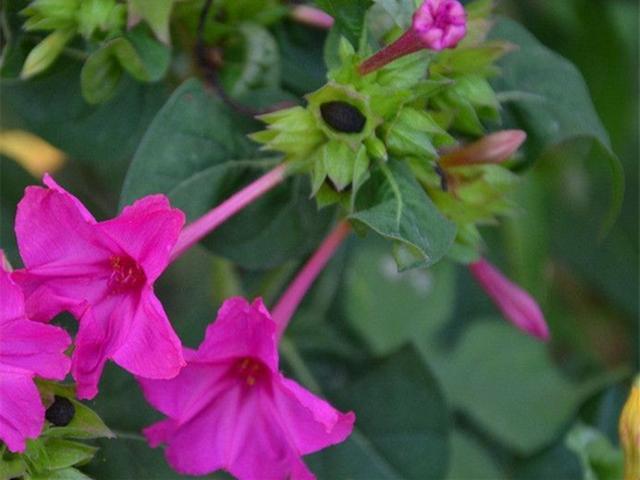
x=312, y=16
x=436, y=25
x=494, y=148
x=516, y=305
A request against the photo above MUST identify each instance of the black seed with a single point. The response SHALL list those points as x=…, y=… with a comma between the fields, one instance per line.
x=343, y=117
x=61, y=411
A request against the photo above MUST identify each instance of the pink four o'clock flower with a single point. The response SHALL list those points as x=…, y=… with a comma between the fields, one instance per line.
x=27, y=349
x=230, y=408
x=516, y=305
x=436, y=25
x=103, y=273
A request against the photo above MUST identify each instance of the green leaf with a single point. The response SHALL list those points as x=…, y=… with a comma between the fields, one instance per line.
x=555, y=462
x=469, y=460
x=64, y=453
x=45, y=53
x=156, y=13
x=402, y=427
x=600, y=460
x=142, y=56
x=349, y=16
x=548, y=97
x=100, y=76
x=389, y=309
x=196, y=153
x=398, y=209
x=400, y=10
x=64, y=474
x=503, y=380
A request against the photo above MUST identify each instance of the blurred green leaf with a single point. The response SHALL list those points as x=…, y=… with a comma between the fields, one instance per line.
x=64, y=474
x=504, y=379
x=398, y=209
x=389, y=309
x=141, y=55
x=549, y=99
x=100, y=76
x=557, y=462
x=600, y=460
x=402, y=426
x=156, y=13
x=349, y=16
x=64, y=453
x=45, y=53
x=469, y=460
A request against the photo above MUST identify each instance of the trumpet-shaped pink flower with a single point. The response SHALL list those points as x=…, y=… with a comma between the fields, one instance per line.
x=103, y=273
x=516, y=305
x=436, y=25
x=230, y=408
x=27, y=349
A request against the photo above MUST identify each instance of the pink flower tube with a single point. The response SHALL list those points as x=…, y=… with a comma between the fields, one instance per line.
x=311, y=16
x=230, y=408
x=27, y=349
x=436, y=25
x=516, y=305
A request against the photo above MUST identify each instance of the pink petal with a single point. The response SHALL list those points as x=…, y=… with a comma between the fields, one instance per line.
x=12, y=306
x=159, y=432
x=186, y=394
x=101, y=332
x=241, y=330
x=53, y=185
x=35, y=347
x=150, y=348
x=147, y=232
x=311, y=423
x=50, y=290
x=516, y=305
x=51, y=229
x=21, y=410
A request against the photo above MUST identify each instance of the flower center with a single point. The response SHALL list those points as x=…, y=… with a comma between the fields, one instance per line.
x=250, y=370
x=343, y=117
x=126, y=274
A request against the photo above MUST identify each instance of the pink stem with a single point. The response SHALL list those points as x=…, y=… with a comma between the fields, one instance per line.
x=406, y=44
x=289, y=301
x=197, y=230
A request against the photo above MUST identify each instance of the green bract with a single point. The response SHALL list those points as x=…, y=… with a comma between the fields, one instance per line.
x=414, y=109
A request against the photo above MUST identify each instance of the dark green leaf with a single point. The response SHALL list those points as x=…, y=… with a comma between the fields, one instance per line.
x=400, y=210
x=349, y=16
x=100, y=76
x=402, y=425
x=548, y=97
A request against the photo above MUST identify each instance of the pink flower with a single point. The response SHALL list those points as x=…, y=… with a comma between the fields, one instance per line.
x=103, y=273
x=516, y=305
x=311, y=16
x=27, y=349
x=230, y=408
x=436, y=25
x=440, y=24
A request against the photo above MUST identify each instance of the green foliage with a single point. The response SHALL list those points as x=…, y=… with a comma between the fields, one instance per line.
x=349, y=16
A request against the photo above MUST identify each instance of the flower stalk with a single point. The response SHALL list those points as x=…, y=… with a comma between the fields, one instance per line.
x=288, y=303
x=197, y=230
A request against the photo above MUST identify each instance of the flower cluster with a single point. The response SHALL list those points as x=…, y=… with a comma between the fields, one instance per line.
x=227, y=405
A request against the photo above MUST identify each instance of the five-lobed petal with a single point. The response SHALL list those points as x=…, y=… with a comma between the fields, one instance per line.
x=103, y=273
x=230, y=408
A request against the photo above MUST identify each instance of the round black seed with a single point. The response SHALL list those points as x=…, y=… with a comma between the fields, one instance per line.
x=343, y=117
x=61, y=411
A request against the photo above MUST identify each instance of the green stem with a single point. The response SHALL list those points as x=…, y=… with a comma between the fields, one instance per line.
x=129, y=436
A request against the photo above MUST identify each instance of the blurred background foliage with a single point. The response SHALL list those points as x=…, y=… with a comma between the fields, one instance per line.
x=442, y=387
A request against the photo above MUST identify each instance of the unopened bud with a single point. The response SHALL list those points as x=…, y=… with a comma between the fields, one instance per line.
x=436, y=25
x=494, y=148
x=45, y=53
x=312, y=16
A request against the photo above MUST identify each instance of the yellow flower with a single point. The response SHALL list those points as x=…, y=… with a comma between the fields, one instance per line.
x=629, y=428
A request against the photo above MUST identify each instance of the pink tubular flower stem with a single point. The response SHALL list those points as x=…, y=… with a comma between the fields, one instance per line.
x=286, y=306
x=197, y=230
x=408, y=43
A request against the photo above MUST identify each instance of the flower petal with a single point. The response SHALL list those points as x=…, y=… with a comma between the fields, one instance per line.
x=102, y=330
x=12, y=299
x=241, y=330
x=53, y=185
x=35, y=347
x=151, y=348
x=147, y=232
x=51, y=229
x=21, y=410
x=310, y=422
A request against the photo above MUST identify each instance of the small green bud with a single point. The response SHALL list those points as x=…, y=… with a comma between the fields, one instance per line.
x=45, y=53
x=376, y=148
x=101, y=17
x=51, y=14
x=339, y=162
